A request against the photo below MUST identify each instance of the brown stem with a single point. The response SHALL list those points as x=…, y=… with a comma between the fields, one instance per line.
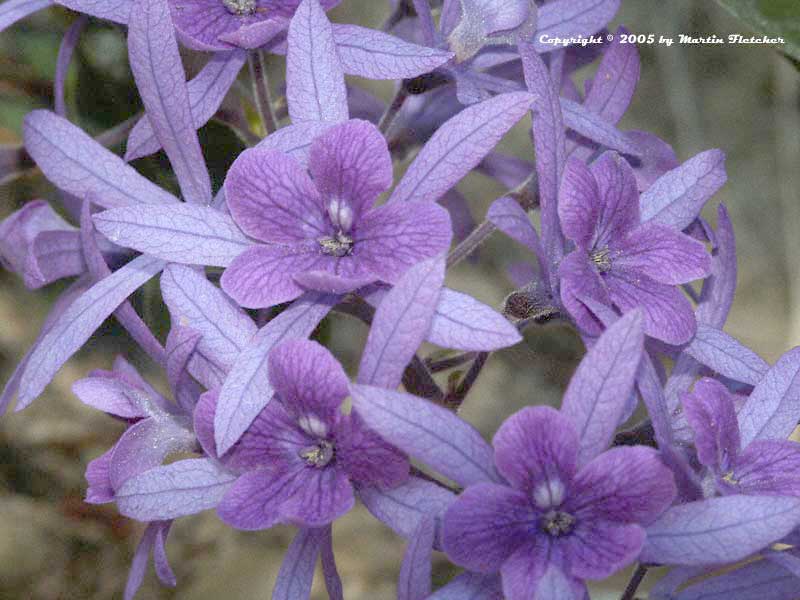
x=435, y=366
x=118, y=133
x=524, y=194
x=258, y=77
x=634, y=583
x=456, y=398
x=423, y=475
x=470, y=243
x=393, y=109
x=642, y=434
x=404, y=9
x=236, y=123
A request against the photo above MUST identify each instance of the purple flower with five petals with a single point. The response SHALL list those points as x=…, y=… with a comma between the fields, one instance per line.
x=762, y=467
x=556, y=524
x=323, y=233
x=302, y=455
x=620, y=261
x=210, y=25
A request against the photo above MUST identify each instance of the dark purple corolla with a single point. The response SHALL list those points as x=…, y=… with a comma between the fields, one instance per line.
x=555, y=524
x=619, y=260
x=212, y=24
x=324, y=233
x=302, y=455
x=762, y=467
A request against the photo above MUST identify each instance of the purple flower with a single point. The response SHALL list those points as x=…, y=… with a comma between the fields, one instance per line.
x=617, y=259
x=39, y=245
x=762, y=467
x=323, y=233
x=556, y=524
x=211, y=24
x=302, y=456
x=156, y=429
x=485, y=22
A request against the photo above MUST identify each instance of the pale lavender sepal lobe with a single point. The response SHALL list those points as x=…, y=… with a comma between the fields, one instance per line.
x=161, y=80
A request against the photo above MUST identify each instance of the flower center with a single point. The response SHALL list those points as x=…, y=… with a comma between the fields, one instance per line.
x=240, y=7
x=730, y=478
x=602, y=259
x=557, y=523
x=338, y=245
x=318, y=455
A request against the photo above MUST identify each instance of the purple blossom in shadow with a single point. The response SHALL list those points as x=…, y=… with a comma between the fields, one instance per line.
x=480, y=33
x=153, y=541
x=156, y=429
x=302, y=456
x=487, y=23
x=214, y=25
x=41, y=247
x=324, y=233
x=762, y=467
x=37, y=244
x=556, y=523
x=620, y=261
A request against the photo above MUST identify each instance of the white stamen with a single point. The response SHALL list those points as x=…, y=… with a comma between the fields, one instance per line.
x=313, y=425
x=549, y=494
x=341, y=214
x=240, y=7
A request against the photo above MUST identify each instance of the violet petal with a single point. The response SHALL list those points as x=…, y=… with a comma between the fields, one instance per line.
x=315, y=89
x=77, y=323
x=181, y=488
x=195, y=302
x=247, y=389
x=770, y=413
x=549, y=142
x=596, y=395
x=297, y=569
x=12, y=11
x=188, y=234
x=206, y=93
x=572, y=18
x=377, y=55
x=161, y=80
x=726, y=355
x=719, y=530
x=400, y=324
x=428, y=432
x=404, y=507
x=462, y=322
x=415, y=571
x=459, y=145
x=79, y=165
x=676, y=198
x=117, y=11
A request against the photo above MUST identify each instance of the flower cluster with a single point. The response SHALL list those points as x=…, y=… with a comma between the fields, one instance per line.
x=311, y=223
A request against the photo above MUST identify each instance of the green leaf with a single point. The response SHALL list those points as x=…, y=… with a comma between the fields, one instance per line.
x=773, y=18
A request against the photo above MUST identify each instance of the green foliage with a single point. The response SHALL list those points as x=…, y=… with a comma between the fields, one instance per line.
x=775, y=18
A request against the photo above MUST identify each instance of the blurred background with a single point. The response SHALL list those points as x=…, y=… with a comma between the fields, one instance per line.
x=742, y=99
